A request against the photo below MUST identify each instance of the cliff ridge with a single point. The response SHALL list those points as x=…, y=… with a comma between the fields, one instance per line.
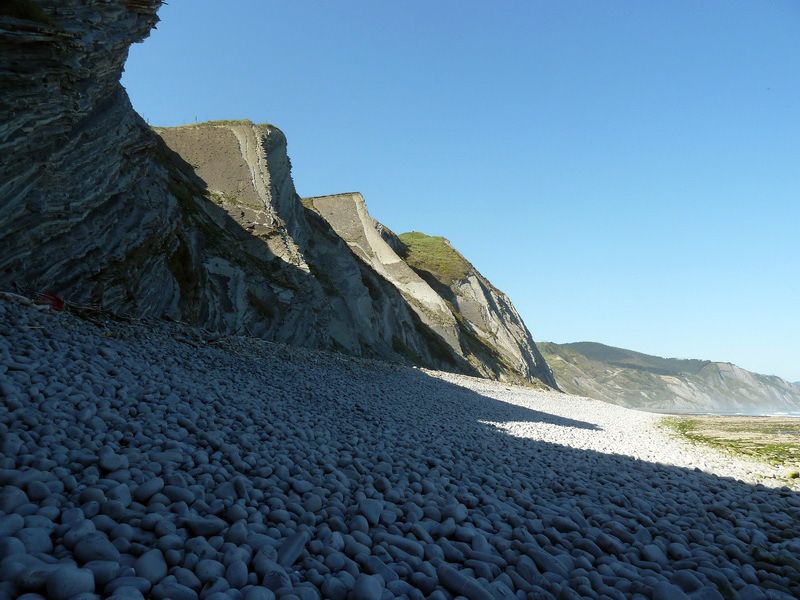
x=199, y=223
x=637, y=380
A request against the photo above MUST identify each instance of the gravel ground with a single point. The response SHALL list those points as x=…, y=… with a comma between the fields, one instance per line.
x=617, y=430
x=156, y=461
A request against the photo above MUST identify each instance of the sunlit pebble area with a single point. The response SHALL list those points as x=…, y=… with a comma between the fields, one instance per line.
x=144, y=460
x=613, y=429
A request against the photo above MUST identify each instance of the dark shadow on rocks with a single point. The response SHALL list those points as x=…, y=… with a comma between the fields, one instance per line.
x=299, y=439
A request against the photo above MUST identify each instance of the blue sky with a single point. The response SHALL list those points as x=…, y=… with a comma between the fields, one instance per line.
x=628, y=172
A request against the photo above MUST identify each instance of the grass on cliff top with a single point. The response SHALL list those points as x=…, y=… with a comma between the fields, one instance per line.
x=219, y=123
x=435, y=255
x=773, y=440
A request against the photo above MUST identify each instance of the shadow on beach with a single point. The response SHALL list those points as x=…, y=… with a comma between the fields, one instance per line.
x=553, y=521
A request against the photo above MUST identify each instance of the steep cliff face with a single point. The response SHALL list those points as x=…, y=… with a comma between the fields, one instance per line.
x=249, y=174
x=97, y=209
x=660, y=384
x=492, y=335
x=245, y=171
x=199, y=223
x=348, y=216
x=73, y=149
x=475, y=319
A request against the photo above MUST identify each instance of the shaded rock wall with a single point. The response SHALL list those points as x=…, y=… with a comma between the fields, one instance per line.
x=245, y=171
x=348, y=216
x=73, y=149
x=205, y=228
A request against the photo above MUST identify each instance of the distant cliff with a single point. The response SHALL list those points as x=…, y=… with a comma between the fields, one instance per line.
x=660, y=384
x=202, y=223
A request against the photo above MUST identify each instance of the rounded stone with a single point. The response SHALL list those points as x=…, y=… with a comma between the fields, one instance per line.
x=95, y=546
x=11, y=546
x=334, y=589
x=368, y=587
x=37, y=491
x=208, y=570
x=258, y=593
x=36, y=540
x=151, y=566
x=236, y=574
x=66, y=581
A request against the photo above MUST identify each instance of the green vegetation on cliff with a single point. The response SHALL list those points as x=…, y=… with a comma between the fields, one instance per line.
x=435, y=255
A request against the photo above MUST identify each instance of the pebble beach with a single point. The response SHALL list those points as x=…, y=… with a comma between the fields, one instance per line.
x=153, y=460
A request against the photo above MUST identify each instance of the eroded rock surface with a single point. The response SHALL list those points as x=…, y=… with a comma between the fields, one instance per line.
x=245, y=170
x=491, y=332
x=97, y=209
x=477, y=320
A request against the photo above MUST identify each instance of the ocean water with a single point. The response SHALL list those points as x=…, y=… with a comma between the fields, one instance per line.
x=758, y=414
x=789, y=414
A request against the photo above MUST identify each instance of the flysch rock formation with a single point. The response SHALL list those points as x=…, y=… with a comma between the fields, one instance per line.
x=348, y=216
x=475, y=318
x=491, y=331
x=96, y=208
x=93, y=206
x=245, y=170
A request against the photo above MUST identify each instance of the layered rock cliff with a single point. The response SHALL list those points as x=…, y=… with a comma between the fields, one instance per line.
x=246, y=172
x=653, y=383
x=491, y=332
x=74, y=151
x=202, y=226
x=370, y=287
x=475, y=319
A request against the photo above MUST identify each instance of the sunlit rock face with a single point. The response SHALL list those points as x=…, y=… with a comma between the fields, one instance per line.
x=200, y=223
x=475, y=319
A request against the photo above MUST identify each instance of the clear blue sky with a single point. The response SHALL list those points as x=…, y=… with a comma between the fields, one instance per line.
x=629, y=172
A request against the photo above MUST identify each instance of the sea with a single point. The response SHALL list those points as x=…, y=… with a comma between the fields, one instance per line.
x=757, y=414
x=790, y=414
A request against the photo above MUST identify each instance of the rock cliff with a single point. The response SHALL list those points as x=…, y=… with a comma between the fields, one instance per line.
x=475, y=319
x=348, y=217
x=324, y=295
x=653, y=383
x=199, y=223
x=491, y=333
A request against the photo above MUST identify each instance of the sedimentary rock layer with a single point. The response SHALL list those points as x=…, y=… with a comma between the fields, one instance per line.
x=96, y=208
x=473, y=316
x=244, y=169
